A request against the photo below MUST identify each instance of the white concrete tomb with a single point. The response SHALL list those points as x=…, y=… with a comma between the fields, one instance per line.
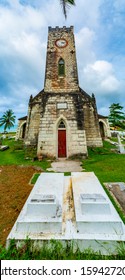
x=94, y=211
x=73, y=208
x=42, y=212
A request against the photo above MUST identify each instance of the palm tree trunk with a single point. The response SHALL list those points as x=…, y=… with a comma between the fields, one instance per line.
x=65, y=4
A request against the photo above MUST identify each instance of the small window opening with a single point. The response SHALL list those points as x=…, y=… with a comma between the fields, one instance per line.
x=62, y=125
x=61, y=67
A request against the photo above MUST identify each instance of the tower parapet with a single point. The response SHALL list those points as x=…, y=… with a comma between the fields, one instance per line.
x=60, y=29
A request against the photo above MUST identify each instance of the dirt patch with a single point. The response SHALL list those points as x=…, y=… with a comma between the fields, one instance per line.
x=14, y=190
x=118, y=194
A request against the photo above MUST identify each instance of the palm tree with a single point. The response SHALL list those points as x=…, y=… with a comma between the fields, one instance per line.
x=65, y=4
x=7, y=120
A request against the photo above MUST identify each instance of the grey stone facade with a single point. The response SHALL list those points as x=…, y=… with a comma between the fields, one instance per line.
x=62, y=107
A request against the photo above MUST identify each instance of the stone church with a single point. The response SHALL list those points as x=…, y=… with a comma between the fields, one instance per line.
x=62, y=119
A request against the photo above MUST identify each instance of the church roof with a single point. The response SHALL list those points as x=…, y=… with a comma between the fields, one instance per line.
x=38, y=94
x=85, y=93
x=23, y=118
x=102, y=117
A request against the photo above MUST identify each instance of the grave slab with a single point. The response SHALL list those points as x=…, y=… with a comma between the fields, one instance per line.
x=43, y=209
x=73, y=209
x=94, y=211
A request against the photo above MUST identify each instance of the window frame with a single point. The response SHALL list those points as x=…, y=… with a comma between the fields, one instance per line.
x=60, y=71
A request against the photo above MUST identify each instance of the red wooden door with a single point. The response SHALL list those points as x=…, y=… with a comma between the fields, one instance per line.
x=61, y=143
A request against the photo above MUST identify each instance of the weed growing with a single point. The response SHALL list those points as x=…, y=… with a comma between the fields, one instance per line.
x=55, y=251
x=107, y=165
x=34, y=178
x=17, y=155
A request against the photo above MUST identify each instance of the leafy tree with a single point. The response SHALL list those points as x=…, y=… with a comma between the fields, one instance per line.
x=7, y=120
x=65, y=4
x=116, y=116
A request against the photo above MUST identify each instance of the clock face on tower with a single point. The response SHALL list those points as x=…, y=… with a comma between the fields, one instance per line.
x=61, y=43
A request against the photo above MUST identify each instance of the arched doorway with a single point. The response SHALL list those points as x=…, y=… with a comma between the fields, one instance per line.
x=62, y=139
x=23, y=130
x=102, y=131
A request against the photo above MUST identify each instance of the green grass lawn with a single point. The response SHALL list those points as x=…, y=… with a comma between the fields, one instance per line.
x=55, y=252
x=15, y=155
x=115, y=139
x=107, y=165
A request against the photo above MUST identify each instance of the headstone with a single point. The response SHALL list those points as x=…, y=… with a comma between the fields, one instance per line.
x=94, y=204
x=42, y=205
x=120, y=145
x=4, y=147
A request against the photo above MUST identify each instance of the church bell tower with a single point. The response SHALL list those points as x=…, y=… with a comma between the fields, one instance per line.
x=61, y=66
x=62, y=119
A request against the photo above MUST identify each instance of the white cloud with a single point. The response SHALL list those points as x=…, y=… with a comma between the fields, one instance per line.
x=84, y=41
x=23, y=41
x=100, y=75
x=5, y=101
x=110, y=84
x=22, y=55
x=102, y=68
x=104, y=111
x=85, y=13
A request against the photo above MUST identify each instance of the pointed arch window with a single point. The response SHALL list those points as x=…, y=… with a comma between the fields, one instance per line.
x=62, y=124
x=61, y=67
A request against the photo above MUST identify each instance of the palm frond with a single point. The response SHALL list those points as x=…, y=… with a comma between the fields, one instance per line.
x=8, y=119
x=65, y=4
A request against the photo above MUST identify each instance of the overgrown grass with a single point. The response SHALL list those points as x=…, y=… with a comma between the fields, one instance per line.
x=67, y=173
x=56, y=252
x=115, y=139
x=107, y=165
x=15, y=155
x=34, y=178
x=117, y=207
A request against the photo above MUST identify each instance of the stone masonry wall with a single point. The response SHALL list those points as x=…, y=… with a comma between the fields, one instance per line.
x=33, y=120
x=106, y=127
x=62, y=99
x=48, y=137
x=91, y=124
x=79, y=115
x=53, y=81
x=19, y=129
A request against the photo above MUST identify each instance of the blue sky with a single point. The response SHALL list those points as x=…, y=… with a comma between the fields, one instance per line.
x=99, y=28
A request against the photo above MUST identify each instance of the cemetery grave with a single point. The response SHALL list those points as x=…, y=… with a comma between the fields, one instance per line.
x=81, y=212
